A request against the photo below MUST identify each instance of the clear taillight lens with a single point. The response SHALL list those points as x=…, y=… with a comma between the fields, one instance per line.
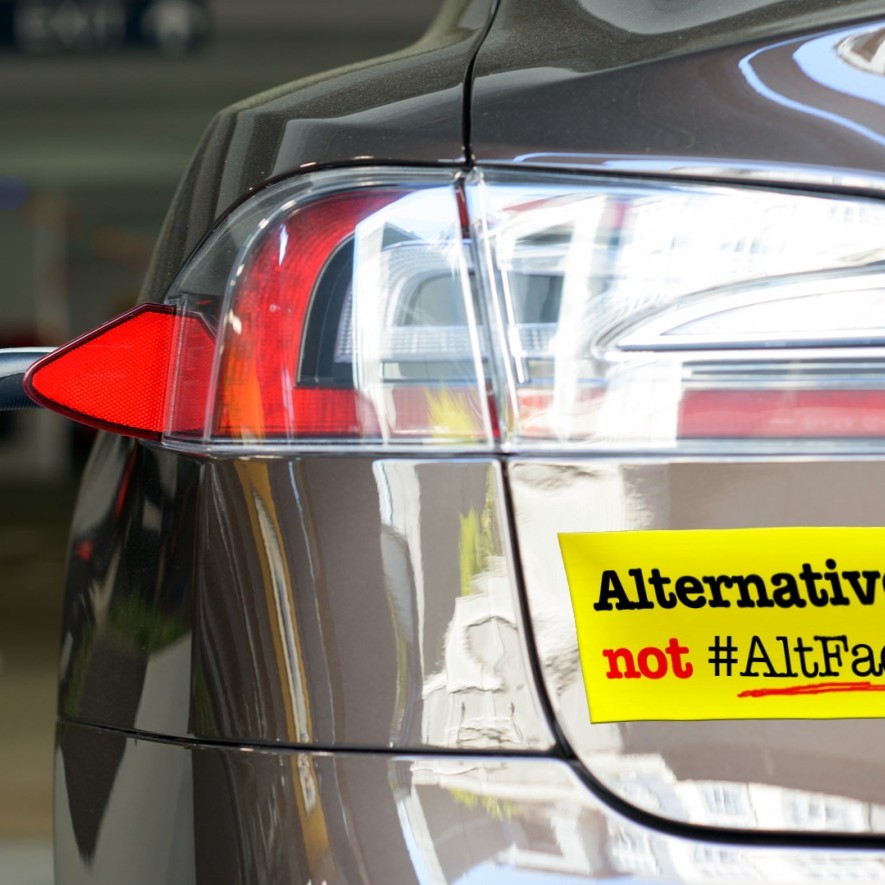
x=507, y=310
x=648, y=315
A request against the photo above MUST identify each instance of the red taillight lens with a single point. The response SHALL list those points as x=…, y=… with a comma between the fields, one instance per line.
x=117, y=377
x=259, y=393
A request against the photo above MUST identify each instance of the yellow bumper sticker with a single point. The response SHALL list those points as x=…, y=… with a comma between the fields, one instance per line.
x=776, y=623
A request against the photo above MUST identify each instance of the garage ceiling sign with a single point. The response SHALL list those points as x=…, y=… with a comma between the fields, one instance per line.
x=762, y=623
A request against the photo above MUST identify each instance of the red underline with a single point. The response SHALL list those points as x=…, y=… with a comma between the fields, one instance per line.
x=814, y=688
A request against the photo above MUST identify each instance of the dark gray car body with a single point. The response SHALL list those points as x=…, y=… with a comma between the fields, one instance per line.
x=260, y=657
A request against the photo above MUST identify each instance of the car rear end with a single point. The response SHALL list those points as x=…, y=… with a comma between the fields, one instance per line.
x=507, y=515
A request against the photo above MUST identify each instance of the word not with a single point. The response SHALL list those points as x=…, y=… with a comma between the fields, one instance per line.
x=650, y=662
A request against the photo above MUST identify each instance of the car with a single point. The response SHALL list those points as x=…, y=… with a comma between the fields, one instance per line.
x=488, y=484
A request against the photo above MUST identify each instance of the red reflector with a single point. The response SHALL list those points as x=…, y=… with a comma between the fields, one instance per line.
x=117, y=376
x=781, y=413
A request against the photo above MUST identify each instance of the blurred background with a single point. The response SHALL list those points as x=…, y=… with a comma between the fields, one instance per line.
x=101, y=104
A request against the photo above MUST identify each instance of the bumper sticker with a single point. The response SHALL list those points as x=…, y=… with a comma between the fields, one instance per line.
x=774, y=623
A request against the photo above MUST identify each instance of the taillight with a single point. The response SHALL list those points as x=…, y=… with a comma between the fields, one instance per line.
x=505, y=309
x=653, y=315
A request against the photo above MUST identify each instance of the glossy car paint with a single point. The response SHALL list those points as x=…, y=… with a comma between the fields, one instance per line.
x=763, y=94
x=230, y=666
x=318, y=602
x=184, y=813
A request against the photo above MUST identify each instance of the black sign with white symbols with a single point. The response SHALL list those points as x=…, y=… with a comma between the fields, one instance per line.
x=51, y=27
